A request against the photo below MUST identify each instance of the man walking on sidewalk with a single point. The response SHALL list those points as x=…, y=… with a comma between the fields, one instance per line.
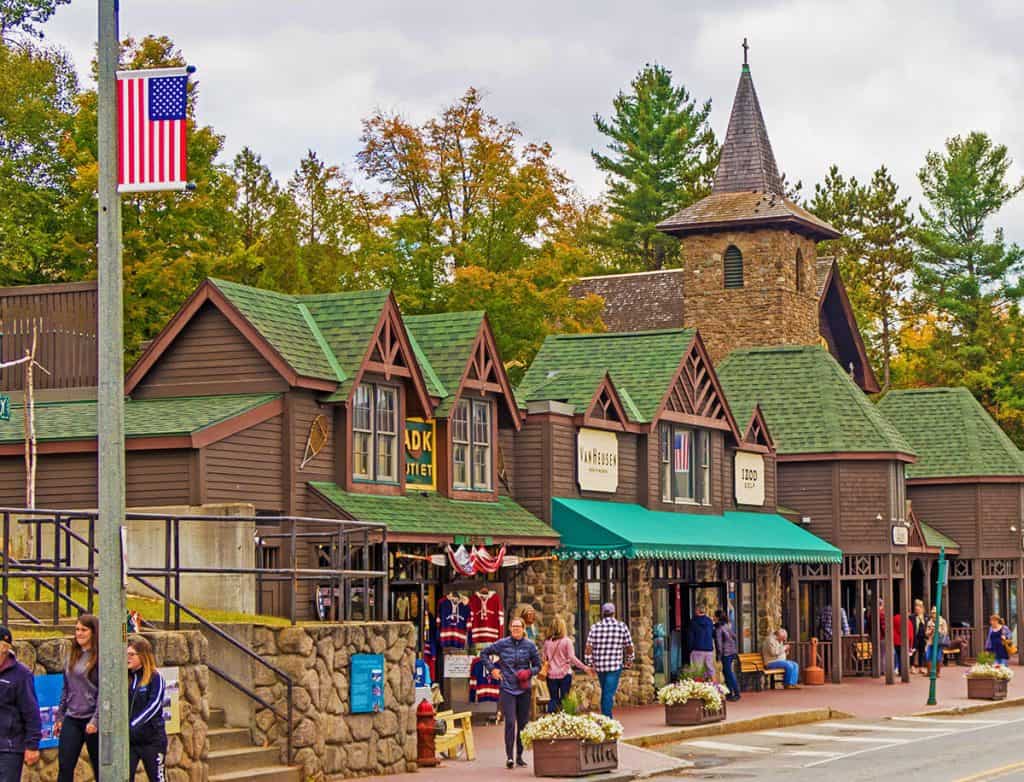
x=702, y=642
x=609, y=650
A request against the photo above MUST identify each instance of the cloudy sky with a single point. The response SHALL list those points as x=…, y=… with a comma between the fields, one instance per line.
x=857, y=84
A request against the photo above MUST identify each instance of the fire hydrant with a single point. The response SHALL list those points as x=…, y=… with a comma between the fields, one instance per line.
x=425, y=753
x=813, y=673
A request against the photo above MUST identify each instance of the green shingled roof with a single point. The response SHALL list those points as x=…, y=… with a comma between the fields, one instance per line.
x=952, y=433
x=641, y=365
x=430, y=513
x=444, y=342
x=809, y=403
x=935, y=539
x=142, y=417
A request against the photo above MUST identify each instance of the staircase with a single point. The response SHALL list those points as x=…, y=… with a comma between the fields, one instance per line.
x=233, y=757
x=40, y=609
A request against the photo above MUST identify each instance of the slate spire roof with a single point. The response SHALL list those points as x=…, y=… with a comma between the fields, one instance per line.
x=747, y=162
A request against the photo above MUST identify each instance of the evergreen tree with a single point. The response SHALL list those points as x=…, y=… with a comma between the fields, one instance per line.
x=662, y=158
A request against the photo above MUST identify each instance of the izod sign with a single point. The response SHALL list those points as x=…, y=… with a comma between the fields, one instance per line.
x=420, y=472
x=749, y=478
x=597, y=460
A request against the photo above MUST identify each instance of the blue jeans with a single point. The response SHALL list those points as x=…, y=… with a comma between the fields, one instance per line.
x=609, y=684
x=791, y=668
x=729, y=670
x=558, y=689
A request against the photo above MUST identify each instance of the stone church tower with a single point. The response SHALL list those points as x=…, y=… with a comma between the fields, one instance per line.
x=749, y=257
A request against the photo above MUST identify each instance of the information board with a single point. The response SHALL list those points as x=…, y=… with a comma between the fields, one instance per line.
x=457, y=666
x=366, y=683
x=172, y=700
x=49, y=688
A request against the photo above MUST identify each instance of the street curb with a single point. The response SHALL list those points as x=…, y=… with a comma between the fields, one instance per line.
x=954, y=711
x=766, y=722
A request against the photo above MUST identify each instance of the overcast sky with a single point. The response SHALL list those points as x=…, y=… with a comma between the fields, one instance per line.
x=857, y=84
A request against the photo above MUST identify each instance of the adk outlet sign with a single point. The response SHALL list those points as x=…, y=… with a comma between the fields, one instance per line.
x=597, y=460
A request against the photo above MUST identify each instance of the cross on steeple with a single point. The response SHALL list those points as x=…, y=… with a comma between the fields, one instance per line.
x=745, y=47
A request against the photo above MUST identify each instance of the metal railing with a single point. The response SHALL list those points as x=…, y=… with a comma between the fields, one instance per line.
x=73, y=553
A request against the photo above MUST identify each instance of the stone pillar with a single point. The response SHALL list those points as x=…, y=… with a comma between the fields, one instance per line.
x=769, y=601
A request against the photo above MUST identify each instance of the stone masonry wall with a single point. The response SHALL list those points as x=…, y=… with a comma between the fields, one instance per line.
x=768, y=309
x=769, y=601
x=332, y=743
x=187, y=751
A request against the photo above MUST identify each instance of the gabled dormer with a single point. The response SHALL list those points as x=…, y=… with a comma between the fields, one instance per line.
x=756, y=434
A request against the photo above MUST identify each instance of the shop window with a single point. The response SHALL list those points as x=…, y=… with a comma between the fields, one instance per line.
x=685, y=464
x=375, y=433
x=600, y=582
x=799, y=270
x=733, y=267
x=897, y=492
x=471, y=445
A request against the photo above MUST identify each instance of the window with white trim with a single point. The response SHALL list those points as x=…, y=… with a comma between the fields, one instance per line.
x=685, y=462
x=471, y=445
x=375, y=442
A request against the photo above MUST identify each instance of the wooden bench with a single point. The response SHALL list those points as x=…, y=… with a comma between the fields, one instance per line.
x=752, y=667
x=459, y=733
x=951, y=654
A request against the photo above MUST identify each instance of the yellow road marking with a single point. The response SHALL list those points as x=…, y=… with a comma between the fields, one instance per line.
x=993, y=773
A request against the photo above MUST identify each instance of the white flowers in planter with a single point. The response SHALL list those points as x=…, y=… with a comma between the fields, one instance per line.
x=679, y=693
x=989, y=671
x=591, y=728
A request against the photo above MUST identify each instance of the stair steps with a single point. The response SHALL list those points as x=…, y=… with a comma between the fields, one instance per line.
x=233, y=757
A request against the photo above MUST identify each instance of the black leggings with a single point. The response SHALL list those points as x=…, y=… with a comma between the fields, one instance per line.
x=152, y=758
x=69, y=750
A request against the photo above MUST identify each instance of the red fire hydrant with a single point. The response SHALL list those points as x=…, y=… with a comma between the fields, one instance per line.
x=425, y=753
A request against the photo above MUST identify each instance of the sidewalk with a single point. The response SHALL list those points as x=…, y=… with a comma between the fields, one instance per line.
x=866, y=698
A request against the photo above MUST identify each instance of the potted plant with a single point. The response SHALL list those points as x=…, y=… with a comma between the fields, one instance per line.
x=693, y=702
x=987, y=680
x=572, y=745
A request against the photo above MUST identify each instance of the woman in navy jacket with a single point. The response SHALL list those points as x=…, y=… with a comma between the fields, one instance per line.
x=147, y=737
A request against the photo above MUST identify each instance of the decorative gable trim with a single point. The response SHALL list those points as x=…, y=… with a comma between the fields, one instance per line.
x=390, y=354
x=833, y=285
x=208, y=292
x=485, y=372
x=695, y=396
x=606, y=410
x=757, y=432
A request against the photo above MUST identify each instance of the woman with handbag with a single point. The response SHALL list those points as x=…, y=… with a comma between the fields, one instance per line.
x=999, y=641
x=559, y=658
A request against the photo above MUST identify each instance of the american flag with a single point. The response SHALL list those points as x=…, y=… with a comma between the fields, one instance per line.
x=681, y=452
x=151, y=113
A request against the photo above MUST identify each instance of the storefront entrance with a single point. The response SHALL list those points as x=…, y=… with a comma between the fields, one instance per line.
x=675, y=605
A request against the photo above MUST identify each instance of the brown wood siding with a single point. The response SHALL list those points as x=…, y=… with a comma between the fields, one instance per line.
x=209, y=356
x=64, y=317
x=158, y=478
x=529, y=487
x=322, y=466
x=770, y=482
x=563, y=458
x=507, y=451
x=1000, y=509
x=951, y=510
x=246, y=467
x=864, y=493
x=806, y=487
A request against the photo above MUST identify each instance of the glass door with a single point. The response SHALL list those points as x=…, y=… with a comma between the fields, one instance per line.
x=662, y=625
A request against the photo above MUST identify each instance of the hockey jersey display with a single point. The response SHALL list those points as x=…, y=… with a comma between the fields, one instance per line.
x=486, y=617
x=452, y=622
x=428, y=641
x=482, y=688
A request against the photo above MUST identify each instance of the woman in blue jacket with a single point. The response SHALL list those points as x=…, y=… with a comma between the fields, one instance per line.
x=518, y=662
x=147, y=737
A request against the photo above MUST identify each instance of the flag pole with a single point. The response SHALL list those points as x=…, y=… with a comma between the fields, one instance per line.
x=113, y=689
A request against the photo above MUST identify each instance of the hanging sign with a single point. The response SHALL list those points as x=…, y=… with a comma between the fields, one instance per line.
x=5, y=407
x=597, y=460
x=900, y=535
x=457, y=666
x=749, y=478
x=420, y=472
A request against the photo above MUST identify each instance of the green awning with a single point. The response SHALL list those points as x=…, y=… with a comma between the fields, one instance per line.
x=935, y=539
x=592, y=529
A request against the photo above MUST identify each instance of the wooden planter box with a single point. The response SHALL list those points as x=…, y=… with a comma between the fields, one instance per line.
x=693, y=712
x=573, y=758
x=984, y=688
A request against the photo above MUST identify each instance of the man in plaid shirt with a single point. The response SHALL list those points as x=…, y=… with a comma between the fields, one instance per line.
x=609, y=649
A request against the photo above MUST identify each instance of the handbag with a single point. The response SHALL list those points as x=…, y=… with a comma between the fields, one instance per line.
x=543, y=675
x=1009, y=646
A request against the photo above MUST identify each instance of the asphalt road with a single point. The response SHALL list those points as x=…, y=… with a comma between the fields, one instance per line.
x=973, y=748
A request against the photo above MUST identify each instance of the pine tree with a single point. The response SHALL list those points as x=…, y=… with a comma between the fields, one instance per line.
x=662, y=157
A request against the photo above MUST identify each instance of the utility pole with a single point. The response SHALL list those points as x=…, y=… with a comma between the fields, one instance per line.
x=113, y=694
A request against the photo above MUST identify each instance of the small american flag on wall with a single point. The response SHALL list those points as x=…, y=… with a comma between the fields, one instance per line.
x=152, y=117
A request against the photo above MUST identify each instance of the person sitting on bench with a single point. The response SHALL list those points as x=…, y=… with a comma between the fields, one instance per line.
x=774, y=652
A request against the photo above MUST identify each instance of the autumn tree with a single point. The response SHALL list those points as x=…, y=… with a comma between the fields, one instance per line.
x=23, y=16
x=661, y=158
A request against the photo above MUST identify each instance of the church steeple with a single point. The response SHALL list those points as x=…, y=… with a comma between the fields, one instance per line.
x=747, y=162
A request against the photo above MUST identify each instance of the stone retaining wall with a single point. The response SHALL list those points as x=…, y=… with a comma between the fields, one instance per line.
x=330, y=742
x=187, y=751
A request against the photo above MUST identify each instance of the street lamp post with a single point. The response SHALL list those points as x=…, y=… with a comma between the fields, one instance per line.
x=936, y=645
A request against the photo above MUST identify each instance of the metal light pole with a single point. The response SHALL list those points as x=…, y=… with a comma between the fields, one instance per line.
x=113, y=693
x=936, y=647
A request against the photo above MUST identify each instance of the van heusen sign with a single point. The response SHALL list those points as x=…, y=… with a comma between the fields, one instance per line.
x=420, y=472
x=597, y=460
x=749, y=478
